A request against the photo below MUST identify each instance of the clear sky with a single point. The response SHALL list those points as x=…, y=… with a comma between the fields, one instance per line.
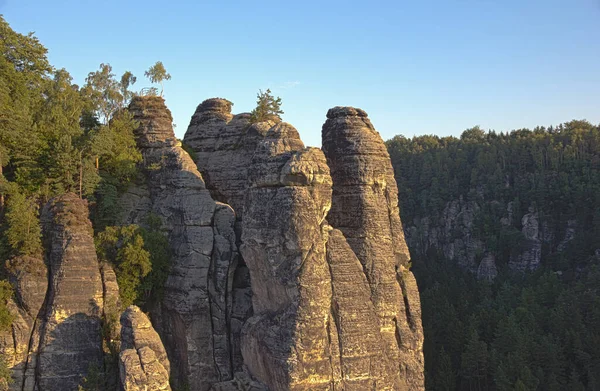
x=417, y=67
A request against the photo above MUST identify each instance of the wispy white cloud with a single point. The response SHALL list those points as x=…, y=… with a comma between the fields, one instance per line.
x=288, y=84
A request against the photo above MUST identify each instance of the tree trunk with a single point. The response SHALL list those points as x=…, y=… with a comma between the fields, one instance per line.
x=80, y=174
x=1, y=194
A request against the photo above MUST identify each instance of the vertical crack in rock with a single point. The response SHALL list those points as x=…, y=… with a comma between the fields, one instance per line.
x=143, y=362
x=285, y=344
x=223, y=146
x=191, y=318
x=365, y=209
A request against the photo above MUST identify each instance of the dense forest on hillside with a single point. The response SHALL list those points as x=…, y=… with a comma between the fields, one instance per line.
x=537, y=331
x=58, y=137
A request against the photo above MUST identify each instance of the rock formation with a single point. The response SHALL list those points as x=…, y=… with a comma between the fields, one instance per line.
x=223, y=146
x=452, y=233
x=194, y=316
x=487, y=268
x=143, y=362
x=530, y=257
x=66, y=341
x=286, y=344
x=318, y=321
x=365, y=209
x=28, y=276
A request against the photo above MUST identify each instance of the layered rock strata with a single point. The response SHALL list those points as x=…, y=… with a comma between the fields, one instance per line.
x=66, y=342
x=317, y=316
x=29, y=278
x=365, y=209
x=315, y=326
x=194, y=316
x=286, y=344
x=223, y=146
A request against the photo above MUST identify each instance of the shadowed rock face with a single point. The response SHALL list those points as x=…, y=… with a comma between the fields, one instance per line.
x=67, y=340
x=224, y=145
x=194, y=315
x=29, y=278
x=143, y=362
x=365, y=209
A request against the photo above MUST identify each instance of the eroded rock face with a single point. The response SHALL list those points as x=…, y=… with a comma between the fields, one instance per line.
x=28, y=276
x=224, y=145
x=143, y=362
x=315, y=325
x=193, y=317
x=452, y=233
x=365, y=209
x=530, y=258
x=487, y=268
x=67, y=341
x=284, y=235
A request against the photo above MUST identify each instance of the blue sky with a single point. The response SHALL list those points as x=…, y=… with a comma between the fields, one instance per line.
x=417, y=67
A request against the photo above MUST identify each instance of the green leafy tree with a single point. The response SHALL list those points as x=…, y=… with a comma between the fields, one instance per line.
x=22, y=230
x=127, y=80
x=267, y=107
x=124, y=248
x=158, y=74
x=6, y=318
x=141, y=258
x=104, y=94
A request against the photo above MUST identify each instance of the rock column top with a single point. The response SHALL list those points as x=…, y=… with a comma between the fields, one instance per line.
x=155, y=122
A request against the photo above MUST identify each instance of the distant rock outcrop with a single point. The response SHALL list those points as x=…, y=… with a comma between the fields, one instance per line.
x=487, y=270
x=193, y=317
x=365, y=209
x=143, y=362
x=530, y=257
x=452, y=233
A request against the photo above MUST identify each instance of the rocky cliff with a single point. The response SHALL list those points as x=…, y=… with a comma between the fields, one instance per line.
x=143, y=361
x=365, y=209
x=520, y=241
x=315, y=323
x=193, y=319
x=321, y=297
x=223, y=146
x=56, y=338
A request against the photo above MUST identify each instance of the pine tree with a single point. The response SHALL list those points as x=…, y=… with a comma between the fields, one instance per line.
x=22, y=227
x=267, y=108
x=444, y=377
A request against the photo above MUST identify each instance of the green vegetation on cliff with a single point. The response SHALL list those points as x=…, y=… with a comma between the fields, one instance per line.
x=140, y=257
x=538, y=331
x=58, y=137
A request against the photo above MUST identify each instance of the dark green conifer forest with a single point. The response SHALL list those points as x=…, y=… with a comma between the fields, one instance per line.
x=534, y=331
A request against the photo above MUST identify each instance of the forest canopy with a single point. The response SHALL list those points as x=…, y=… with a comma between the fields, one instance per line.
x=538, y=331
